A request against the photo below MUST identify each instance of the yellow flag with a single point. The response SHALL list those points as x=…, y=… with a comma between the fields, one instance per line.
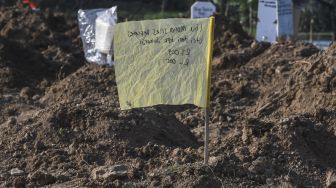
x=163, y=62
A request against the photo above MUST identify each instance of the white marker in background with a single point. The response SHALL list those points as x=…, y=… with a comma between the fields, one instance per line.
x=201, y=9
x=285, y=27
x=267, y=21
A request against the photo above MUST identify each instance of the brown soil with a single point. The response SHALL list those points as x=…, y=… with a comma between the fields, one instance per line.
x=273, y=116
x=229, y=35
x=37, y=47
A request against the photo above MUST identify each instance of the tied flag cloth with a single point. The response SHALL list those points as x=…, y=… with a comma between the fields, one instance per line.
x=164, y=61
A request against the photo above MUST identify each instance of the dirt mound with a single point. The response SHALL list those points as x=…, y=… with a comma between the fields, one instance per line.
x=291, y=81
x=229, y=34
x=272, y=122
x=37, y=47
x=233, y=46
x=95, y=85
x=79, y=111
x=323, y=67
x=238, y=57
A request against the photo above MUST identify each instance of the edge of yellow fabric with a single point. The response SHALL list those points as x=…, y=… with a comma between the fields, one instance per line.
x=209, y=60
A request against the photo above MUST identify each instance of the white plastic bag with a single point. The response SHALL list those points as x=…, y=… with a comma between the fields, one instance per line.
x=96, y=30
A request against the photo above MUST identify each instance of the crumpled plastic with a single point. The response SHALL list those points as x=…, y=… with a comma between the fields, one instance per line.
x=87, y=26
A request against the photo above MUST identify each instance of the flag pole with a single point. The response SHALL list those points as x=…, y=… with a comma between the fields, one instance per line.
x=208, y=76
x=206, y=136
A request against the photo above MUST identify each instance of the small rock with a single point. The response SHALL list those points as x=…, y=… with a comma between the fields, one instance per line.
x=16, y=172
x=246, y=165
x=198, y=132
x=246, y=134
x=4, y=175
x=186, y=159
x=44, y=83
x=259, y=166
x=155, y=183
x=109, y=173
x=17, y=154
x=129, y=185
x=228, y=118
x=213, y=161
x=36, y=97
x=26, y=136
x=176, y=152
x=269, y=181
x=242, y=153
x=11, y=121
x=116, y=183
x=39, y=145
x=206, y=181
x=200, y=150
x=72, y=149
x=76, y=129
x=136, y=169
x=331, y=179
x=42, y=178
x=254, y=44
x=19, y=182
x=26, y=146
x=26, y=92
x=138, y=164
x=278, y=70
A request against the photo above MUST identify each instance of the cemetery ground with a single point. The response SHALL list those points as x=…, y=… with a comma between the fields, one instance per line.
x=272, y=122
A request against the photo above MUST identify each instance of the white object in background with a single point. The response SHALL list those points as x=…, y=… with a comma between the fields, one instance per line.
x=267, y=21
x=104, y=30
x=202, y=9
x=104, y=36
x=285, y=27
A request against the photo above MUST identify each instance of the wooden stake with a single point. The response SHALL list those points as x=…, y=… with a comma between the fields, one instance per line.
x=206, y=135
